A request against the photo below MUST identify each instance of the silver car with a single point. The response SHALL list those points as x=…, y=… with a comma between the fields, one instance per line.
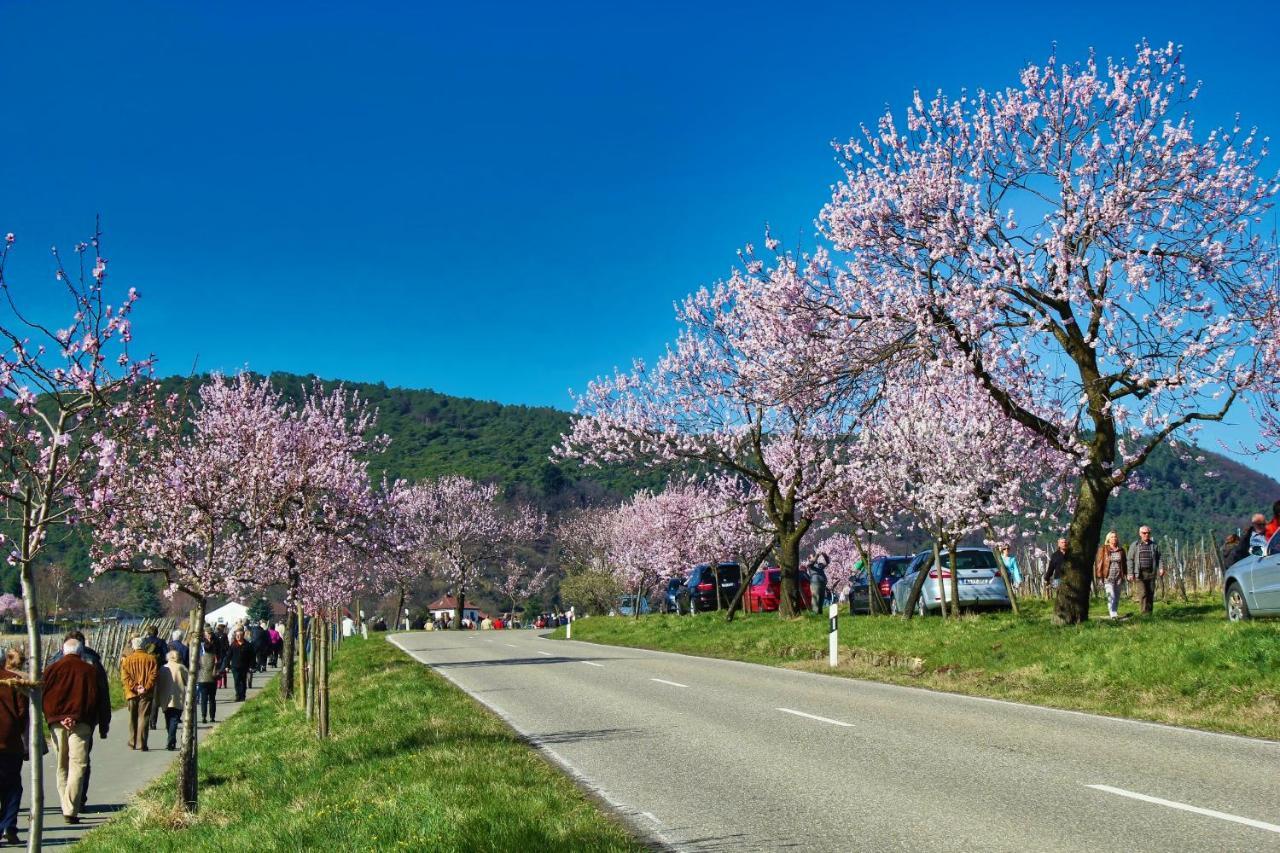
x=1251, y=587
x=979, y=581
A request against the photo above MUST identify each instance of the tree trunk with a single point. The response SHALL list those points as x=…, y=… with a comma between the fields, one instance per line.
x=400, y=604
x=302, y=653
x=917, y=586
x=1083, y=536
x=287, y=670
x=188, y=768
x=790, y=602
x=746, y=580
x=955, y=581
x=462, y=603
x=35, y=667
x=322, y=683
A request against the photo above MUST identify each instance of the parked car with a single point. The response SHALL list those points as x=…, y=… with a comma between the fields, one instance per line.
x=765, y=591
x=710, y=588
x=627, y=605
x=1251, y=587
x=979, y=581
x=671, y=595
x=885, y=572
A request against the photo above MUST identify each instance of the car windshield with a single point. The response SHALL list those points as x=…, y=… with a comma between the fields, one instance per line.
x=970, y=560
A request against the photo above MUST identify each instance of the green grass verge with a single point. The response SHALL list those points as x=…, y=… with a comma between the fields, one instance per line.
x=413, y=764
x=1185, y=665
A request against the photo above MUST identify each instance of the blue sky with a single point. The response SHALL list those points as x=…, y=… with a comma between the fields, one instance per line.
x=494, y=200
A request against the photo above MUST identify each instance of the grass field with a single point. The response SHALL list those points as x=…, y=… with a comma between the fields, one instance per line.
x=1184, y=665
x=413, y=764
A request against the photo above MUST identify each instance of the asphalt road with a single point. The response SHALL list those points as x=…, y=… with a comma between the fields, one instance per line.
x=702, y=754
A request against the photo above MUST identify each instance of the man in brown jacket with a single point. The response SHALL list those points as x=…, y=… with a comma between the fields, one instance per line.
x=73, y=707
x=138, y=675
x=14, y=719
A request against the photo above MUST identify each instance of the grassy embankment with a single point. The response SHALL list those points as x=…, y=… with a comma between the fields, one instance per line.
x=1185, y=665
x=413, y=764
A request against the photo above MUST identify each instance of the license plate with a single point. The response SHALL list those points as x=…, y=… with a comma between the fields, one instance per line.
x=974, y=580
x=726, y=583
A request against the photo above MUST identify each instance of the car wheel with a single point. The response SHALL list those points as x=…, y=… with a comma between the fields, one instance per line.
x=1237, y=607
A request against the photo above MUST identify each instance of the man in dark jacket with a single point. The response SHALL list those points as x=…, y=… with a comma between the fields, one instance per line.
x=1144, y=568
x=1057, y=569
x=92, y=657
x=158, y=649
x=176, y=645
x=74, y=707
x=15, y=710
x=261, y=639
x=241, y=657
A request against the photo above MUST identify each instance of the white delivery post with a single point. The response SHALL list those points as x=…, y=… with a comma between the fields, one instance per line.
x=832, y=634
x=568, y=625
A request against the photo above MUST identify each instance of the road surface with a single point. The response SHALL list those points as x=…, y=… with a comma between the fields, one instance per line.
x=701, y=754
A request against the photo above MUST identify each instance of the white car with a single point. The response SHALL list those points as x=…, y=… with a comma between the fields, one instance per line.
x=1251, y=587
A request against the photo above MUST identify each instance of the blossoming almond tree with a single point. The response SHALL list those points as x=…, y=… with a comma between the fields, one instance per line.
x=70, y=398
x=465, y=528
x=1092, y=254
x=720, y=397
x=182, y=508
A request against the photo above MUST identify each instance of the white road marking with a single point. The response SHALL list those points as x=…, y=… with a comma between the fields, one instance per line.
x=593, y=663
x=816, y=717
x=508, y=645
x=1121, y=792
x=672, y=683
x=548, y=654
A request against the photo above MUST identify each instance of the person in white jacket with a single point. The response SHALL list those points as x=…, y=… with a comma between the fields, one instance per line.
x=171, y=691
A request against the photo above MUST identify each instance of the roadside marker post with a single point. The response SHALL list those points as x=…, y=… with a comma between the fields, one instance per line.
x=832, y=633
x=568, y=625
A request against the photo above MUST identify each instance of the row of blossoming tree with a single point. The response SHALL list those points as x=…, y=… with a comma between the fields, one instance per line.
x=226, y=490
x=1015, y=297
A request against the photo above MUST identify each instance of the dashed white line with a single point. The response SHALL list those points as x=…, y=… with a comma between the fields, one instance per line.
x=816, y=717
x=593, y=663
x=548, y=654
x=1121, y=792
x=672, y=683
x=508, y=645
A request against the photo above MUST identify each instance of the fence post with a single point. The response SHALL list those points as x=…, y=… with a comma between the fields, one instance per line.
x=832, y=631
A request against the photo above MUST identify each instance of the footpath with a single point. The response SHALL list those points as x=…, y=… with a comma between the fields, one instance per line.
x=117, y=772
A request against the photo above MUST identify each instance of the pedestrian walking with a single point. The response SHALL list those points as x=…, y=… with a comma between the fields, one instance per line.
x=276, y=635
x=73, y=707
x=104, y=686
x=241, y=658
x=1144, y=568
x=1274, y=524
x=158, y=649
x=138, y=674
x=261, y=641
x=1056, y=570
x=1111, y=567
x=206, y=672
x=1011, y=564
x=818, y=581
x=224, y=642
x=171, y=694
x=15, y=718
x=176, y=645
x=1252, y=541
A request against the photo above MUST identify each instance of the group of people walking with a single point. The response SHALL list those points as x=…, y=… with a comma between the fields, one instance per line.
x=1114, y=566
x=76, y=700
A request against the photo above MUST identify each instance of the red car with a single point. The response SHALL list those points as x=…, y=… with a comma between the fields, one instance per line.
x=766, y=589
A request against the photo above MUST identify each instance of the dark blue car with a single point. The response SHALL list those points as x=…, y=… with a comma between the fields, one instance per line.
x=886, y=571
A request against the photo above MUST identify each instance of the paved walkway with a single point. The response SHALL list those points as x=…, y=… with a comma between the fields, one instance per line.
x=117, y=772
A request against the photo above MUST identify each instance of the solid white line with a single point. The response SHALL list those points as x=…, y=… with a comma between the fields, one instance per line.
x=1121, y=792
x=672, y=683
x=816, y=717
x=548, y=654
x=593, y=663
